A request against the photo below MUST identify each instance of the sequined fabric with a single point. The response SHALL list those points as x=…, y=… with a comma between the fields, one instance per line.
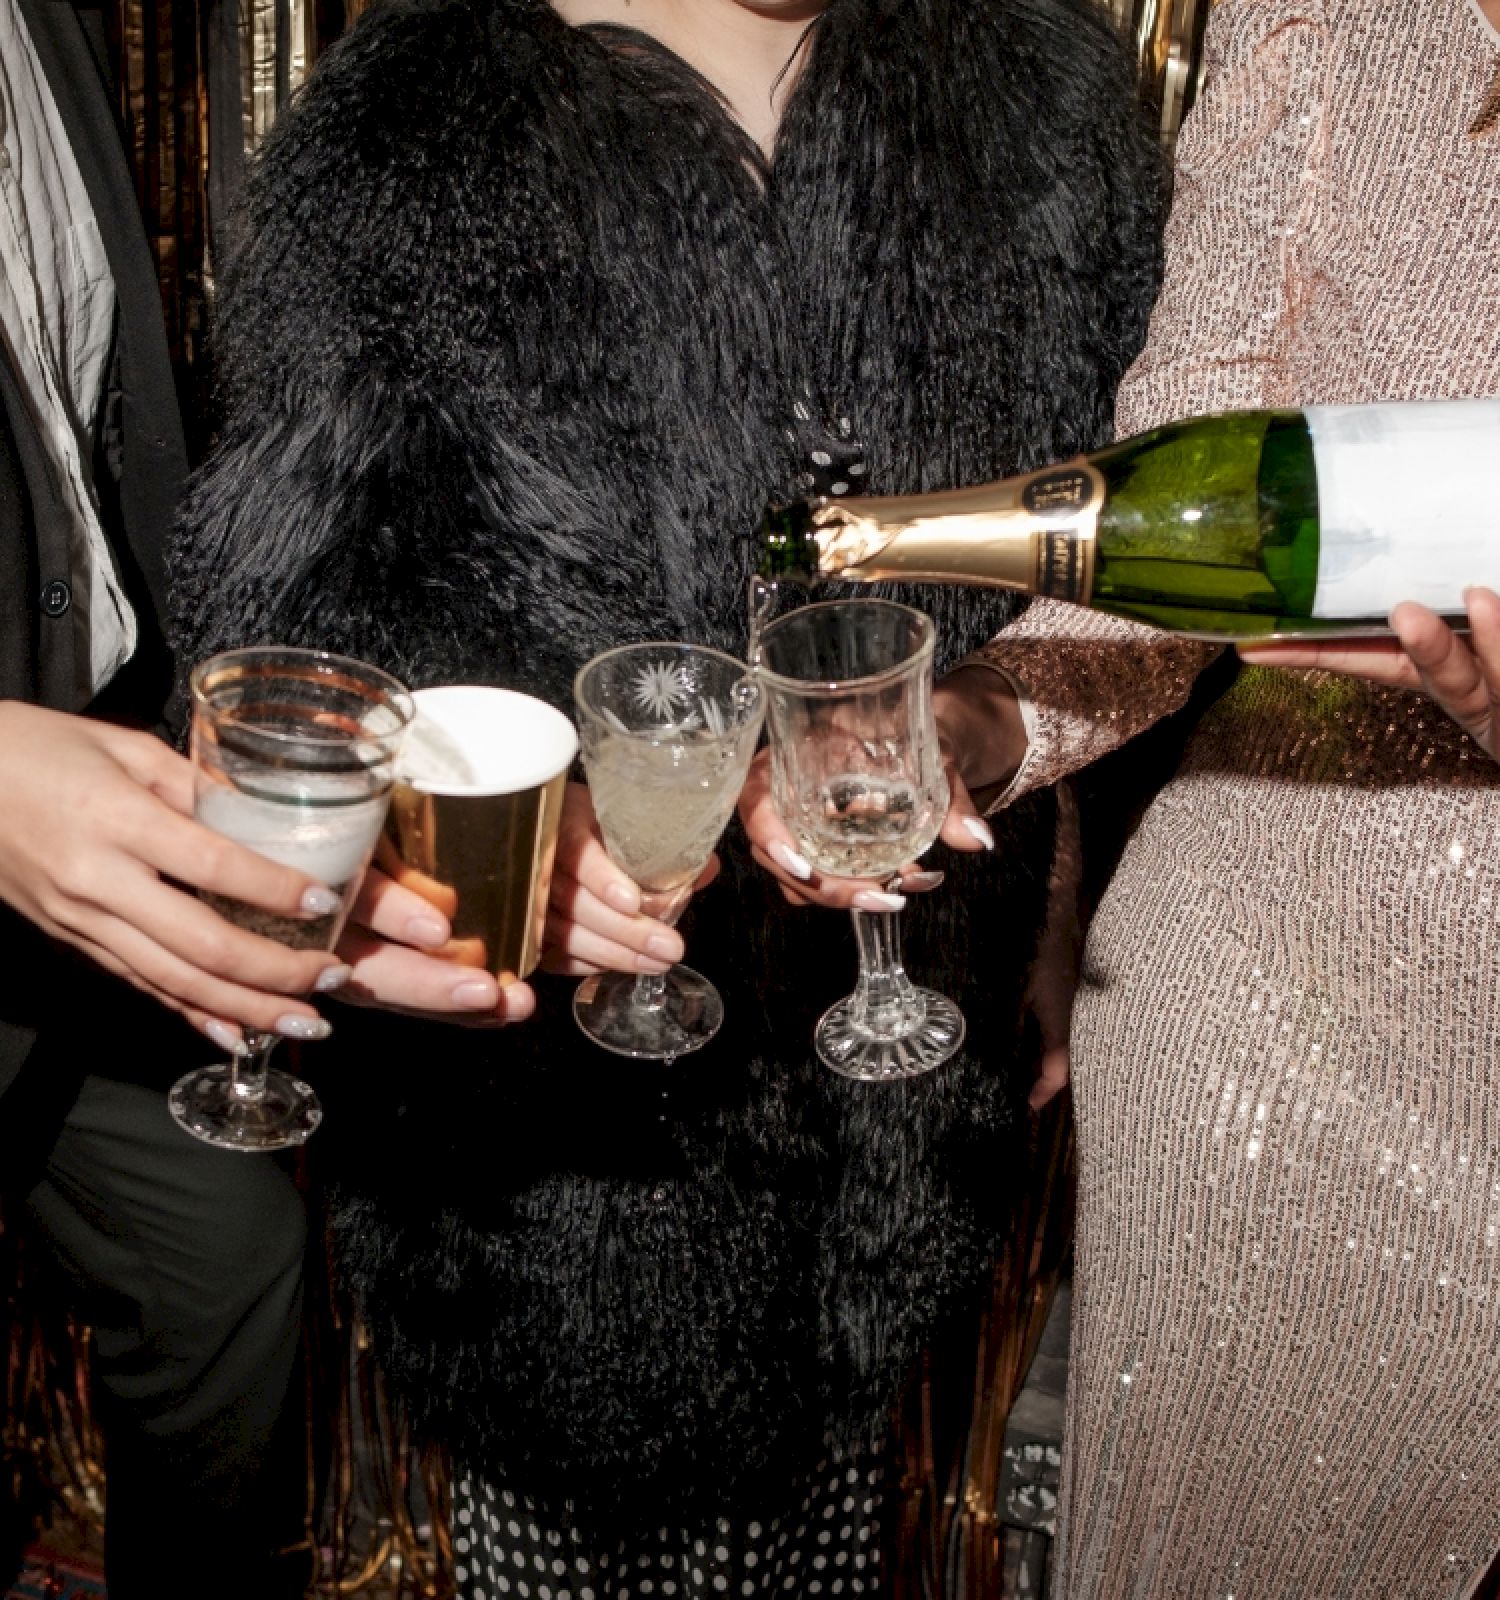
x=1286, y=1368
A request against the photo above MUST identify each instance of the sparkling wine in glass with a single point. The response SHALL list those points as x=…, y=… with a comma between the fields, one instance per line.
x=293, y=757
x=667, y=731
x=857, y=775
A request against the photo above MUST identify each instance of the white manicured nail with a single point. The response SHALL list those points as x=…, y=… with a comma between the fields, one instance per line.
x=477, y=994
x=320, y=902
x=426, y=931
x=922, y=880
x=227, y=1039
x=294, y=1027
x=331, y=978
x=873, y=900
x=981, y=831
x=789, y=861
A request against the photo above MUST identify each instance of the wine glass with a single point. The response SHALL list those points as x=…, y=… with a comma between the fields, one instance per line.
x=857, y=776
x=293, y=757
x=667, y=731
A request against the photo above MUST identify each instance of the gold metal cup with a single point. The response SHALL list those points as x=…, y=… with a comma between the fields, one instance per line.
x=474, y=817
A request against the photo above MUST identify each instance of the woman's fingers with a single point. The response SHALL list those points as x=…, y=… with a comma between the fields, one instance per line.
x=582, y=857
x=573, y=951
x=585, y=934
x=1052, y=1075
x=597, y=918
x=1380, y=660
x=226, y=1036
x=1463, y=677
x=774, y=848
x=793, y=890
x=396, y=912
x=123, y=894
x=835, y=894
x=963, y=827
x=181, y=848
x=398, y=978
x=157, y=970
x=573, y=906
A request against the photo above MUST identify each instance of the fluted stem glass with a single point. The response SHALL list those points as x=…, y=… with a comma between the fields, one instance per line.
x=857, y=776
x=667, y=732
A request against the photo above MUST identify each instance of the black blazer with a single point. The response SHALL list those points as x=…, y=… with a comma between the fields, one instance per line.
x=140, y=466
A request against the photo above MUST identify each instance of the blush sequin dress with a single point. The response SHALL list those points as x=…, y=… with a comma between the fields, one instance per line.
x=1286, y=1050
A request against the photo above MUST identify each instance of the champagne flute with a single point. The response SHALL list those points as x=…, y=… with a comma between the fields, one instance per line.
x=293, y=757
x=857, y=775
x=668, y=731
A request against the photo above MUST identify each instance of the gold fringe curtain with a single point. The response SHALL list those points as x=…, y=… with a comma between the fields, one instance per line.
x=1167, y=38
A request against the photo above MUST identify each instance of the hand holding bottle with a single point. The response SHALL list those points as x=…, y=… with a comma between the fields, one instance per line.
x=1461, y=675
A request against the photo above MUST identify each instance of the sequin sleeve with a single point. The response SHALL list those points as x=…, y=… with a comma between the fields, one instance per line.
x=1246, y=185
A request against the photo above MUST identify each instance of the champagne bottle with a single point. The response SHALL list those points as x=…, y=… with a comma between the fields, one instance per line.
x=1236, y=525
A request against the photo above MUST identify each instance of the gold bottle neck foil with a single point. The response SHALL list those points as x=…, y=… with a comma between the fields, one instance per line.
x=1035, y=532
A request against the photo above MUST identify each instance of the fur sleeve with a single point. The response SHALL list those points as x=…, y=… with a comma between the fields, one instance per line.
x=338, y=507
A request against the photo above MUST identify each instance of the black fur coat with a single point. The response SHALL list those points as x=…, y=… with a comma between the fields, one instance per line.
x=521, y=338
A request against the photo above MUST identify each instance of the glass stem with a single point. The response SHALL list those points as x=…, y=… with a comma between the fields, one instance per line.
x=247, y=1074
x=650, y=991
x=884, y=1002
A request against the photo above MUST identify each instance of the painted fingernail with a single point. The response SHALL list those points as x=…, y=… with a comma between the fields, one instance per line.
x=292, y=1027
x=664, y=948
x=331, y=978
x=476, y=995
x=873, y=900
x=922, y=880
x=320, y=902
x=426, y=931
x=227, y=1039
x=981, y=831
x=624, y=897
x=788, y=859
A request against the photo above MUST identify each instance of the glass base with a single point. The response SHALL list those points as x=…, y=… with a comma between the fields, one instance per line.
x=211, y=1107
x=921, y=1044
x=687, y=1017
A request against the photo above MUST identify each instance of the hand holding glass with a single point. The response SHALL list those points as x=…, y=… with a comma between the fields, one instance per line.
x=293, y=755
x=857, y=775
x=668, y=731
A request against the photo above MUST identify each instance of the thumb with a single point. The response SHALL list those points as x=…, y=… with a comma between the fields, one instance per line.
x=963, y=828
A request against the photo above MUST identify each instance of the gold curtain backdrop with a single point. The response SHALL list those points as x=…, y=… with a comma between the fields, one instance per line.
x=200, y=82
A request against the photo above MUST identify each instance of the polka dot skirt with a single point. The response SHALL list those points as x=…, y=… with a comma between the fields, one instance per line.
x=829, y=1546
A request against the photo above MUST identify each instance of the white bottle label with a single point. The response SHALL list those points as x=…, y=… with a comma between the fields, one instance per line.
x=1408, y=504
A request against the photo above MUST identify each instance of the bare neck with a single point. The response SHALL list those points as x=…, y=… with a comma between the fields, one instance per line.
x=750, y=50
x=1491, y=9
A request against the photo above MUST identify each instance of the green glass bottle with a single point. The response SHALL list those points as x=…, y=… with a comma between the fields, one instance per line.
x=1236, y=525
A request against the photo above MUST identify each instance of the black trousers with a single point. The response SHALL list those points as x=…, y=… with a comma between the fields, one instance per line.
x=187, y=1262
